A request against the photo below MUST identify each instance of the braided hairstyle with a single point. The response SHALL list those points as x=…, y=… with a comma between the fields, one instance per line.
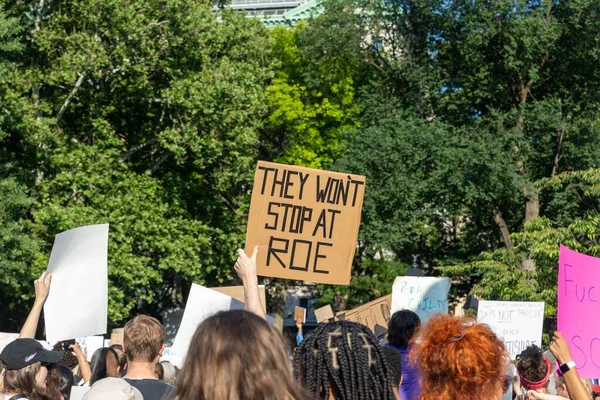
x=345, y=359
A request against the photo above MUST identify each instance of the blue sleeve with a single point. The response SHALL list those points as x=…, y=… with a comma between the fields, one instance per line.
x=299, y=338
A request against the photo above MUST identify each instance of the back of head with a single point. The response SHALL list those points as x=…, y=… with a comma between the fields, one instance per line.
x=534, y=370
x=143, y=339
x=394, y=364
x=459, y=359
x=69, y=360
x=65, y=380
x=113, y=389
x=235, y=355
x=343, y=359
x=402, y=327
x=105, y=364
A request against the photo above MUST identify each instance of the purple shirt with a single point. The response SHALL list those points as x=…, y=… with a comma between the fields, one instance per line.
x=411, y=388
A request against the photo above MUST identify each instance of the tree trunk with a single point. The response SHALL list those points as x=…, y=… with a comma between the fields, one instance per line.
x=499, y=219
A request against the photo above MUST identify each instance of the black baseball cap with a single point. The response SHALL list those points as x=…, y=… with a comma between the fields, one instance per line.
x=23, y=352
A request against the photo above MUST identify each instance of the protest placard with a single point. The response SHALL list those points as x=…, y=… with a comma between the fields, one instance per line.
x=324, y=314
x=423, y=295
x=300, y=314
x=90, y=344
x=77, y=392
x=517, y=323
x=6, y=338
x=306, y=221
x=237, y=292
x=375, y=315
x=578, y=305
x=201, y=304
x=77, y=305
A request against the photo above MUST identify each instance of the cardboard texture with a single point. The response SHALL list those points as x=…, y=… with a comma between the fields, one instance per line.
x=237, y=292
x=324, y=314
x=300, y=314
x=375, y=315
x=305, y=221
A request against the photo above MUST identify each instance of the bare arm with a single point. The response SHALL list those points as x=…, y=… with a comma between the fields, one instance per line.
x=84, y=366
x=42, y=289
x=246, y=269
x=575, y=387
x=532, y=394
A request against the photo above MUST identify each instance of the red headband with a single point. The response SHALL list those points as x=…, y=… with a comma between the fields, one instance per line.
x=529, y=385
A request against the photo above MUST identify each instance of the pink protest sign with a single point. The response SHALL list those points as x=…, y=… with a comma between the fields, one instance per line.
x=578, y=308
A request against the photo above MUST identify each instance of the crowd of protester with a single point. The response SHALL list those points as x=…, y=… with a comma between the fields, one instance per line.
x=237, y=355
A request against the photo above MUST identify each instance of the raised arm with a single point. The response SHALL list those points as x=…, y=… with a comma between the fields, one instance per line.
x=575, y=387
x=42, y=288
x=84, y=366
x=246, y=269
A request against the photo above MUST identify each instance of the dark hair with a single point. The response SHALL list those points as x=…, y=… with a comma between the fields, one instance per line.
x=394, y=364
x=235, y=355
x=531, y=364
x=65, y=380
x=402, y=327
x=68, y=360
x=343, y=359
x=99, y=364
x=117, y=347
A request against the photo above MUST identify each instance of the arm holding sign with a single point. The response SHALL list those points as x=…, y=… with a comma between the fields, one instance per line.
x=246, y=269
x=84, y=366
x=42, y=289
x=575, y=387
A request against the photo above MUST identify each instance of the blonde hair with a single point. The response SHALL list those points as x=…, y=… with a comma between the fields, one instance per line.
x=143, y=338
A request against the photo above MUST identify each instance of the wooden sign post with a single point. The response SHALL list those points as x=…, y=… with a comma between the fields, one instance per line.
x=305, y=221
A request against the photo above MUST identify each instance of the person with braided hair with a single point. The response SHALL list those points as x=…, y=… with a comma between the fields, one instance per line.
x=460, y=359
x=343, y=360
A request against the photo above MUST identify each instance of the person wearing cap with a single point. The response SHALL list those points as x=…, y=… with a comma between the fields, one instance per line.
x=25, y=363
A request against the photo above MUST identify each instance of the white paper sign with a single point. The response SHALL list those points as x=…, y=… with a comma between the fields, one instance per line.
x=202, y=303
x=517, y=323
x=90, y=344
x=6, y=338
x=78, y=302
x=77, y=392
x=423, y=295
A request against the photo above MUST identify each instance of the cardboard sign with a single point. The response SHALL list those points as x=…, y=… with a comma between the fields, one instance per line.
x=77, y=392
x=306, y=221
x=517, y=323
x=6, y=338
x=77, y=305
x=90, y=344
x=237, y=292
x=324, y=314
x=201, y=304
x=423, y=295
x=300, y=314
x=375, y=315
x=578, y=306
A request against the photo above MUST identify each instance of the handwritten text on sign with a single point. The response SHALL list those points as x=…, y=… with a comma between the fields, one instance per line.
x=423, y=295
x=578, y=306
x=517, y=323
x=306, y=222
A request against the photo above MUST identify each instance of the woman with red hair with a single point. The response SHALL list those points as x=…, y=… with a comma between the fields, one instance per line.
x=460, y=360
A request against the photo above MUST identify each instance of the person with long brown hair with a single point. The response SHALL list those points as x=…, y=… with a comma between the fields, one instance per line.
x=460, y=359
x=25, y=363
x=236, y=354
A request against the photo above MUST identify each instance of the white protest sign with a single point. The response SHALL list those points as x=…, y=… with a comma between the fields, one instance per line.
x=77, y=392
x=423, y=295
x=202, y=303
x=90, y=344
x=78, y=302
x=6, y=338
x=517, y=323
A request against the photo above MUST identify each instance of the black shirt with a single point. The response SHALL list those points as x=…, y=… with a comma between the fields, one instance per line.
x=153, y=389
